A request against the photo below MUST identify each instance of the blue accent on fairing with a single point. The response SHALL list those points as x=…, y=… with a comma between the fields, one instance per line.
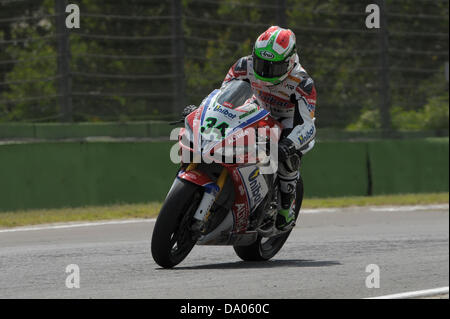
x=208, y=100
x=257, y=117
x=211, y=188
x=252, y=120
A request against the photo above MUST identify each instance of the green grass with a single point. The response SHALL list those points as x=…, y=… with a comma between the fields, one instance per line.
x=405, y=199
x=150, y=210
x=94, y=213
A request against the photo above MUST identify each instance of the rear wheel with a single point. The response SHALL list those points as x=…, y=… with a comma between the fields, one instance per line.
x=265, y=248
x=172, y=239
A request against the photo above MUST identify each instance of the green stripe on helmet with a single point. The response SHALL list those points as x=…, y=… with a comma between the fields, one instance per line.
x=268, y=53
x=274, y=81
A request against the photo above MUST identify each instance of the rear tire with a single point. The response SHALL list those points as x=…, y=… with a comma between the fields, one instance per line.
x=265, y=248
x=172, y=239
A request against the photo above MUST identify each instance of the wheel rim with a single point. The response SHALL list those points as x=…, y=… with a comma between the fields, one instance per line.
x=270, y=246
x=181, y=241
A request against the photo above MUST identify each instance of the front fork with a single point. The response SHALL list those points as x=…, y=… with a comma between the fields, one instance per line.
x=212, y=191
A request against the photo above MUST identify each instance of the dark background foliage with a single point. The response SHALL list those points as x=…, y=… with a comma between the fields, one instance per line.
x=123, y=59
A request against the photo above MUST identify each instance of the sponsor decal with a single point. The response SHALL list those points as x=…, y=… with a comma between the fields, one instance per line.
x=192, y=175
x=248, y=113
x=310, y=107
x=255, y=186
x=254, y=174
x=228, y=105
x=224, y=111
x=293, y=78
x=284, y=94
x=284, y=112
x=256, y=85
x=273, y=101
x=187, y=175
x=241, y=217
x=303, y=138
x=267, y=54
x=289, y=86
x=241, y=133
x=240, y=207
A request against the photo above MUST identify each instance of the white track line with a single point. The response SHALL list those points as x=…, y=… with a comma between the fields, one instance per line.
x=114, y=222
x=303, y=211
x=415, y=294
x=408, y=208
x=319, y=210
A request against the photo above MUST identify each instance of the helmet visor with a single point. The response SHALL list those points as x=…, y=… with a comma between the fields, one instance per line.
x=269, y=69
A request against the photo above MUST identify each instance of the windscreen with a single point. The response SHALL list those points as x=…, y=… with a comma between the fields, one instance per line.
x=235, y=93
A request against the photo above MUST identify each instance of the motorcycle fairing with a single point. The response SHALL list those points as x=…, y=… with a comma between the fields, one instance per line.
x=261, y=113
x=255, y=185
x=250, y=187
x=241, y=208
x=196, y=177
x=235, y=120
x=236, y=221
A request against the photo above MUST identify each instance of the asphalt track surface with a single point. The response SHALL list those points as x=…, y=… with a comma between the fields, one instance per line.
x=325, y=257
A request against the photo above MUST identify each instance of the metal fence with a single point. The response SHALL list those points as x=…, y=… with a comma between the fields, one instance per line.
x=139, y=60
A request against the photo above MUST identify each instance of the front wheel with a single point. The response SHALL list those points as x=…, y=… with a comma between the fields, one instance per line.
x=172, y=239
x=265, y=248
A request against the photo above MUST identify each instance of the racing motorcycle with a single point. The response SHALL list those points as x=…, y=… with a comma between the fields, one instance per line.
x=222, y=197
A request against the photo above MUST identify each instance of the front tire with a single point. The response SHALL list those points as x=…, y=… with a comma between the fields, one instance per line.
x=265, y=248
x=172, y=239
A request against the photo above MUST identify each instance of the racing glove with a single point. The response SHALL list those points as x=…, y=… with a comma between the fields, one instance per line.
x=188, y=110
x=286, y=148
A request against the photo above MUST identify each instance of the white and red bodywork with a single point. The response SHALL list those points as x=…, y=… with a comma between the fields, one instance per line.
x=250, y=187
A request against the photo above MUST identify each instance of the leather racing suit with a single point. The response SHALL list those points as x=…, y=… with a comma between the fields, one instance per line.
x=292, y=102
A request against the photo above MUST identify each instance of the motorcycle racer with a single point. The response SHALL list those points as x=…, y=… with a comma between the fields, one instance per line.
x=283, y=87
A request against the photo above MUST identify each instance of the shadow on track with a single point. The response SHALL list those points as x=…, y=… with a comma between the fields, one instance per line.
x=264, y=264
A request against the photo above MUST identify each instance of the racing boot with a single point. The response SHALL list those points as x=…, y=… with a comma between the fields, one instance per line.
x=288, y=172
x=286, y=216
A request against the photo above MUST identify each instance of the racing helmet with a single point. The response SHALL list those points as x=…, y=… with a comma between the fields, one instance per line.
x=274, y=55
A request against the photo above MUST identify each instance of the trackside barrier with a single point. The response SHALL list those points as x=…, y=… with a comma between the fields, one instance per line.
x=410, y=166
x=334, y=169
x=48, y=175
x=58, y=131
x=70, y=174
x=161, y=129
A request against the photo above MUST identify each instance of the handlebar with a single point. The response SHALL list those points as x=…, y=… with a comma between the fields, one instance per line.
x=177, y=122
